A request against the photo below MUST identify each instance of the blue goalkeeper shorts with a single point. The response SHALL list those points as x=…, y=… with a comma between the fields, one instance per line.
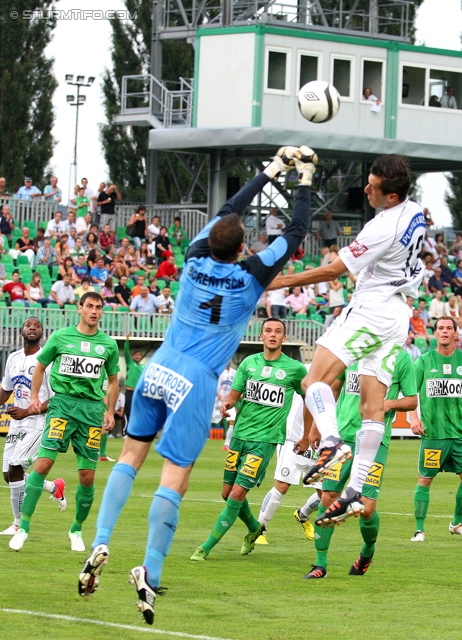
x=175, y=393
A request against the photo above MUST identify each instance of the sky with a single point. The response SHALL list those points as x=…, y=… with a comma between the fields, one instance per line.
x=91, y=55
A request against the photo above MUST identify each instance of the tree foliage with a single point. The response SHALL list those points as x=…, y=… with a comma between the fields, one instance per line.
x=453, y=198
x=27, y=85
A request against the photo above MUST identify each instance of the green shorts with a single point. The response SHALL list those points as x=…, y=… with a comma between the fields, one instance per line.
x=76, y=421
x=440, y=455
x=336, y=478
x=247, y=462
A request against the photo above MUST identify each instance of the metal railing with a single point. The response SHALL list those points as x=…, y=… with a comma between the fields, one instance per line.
x=145, y=94
x=142, y=326
x=36, y=210
x=192, y=220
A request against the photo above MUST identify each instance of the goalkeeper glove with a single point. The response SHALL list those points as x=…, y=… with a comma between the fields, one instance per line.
x=305, y=161
x=282, y=161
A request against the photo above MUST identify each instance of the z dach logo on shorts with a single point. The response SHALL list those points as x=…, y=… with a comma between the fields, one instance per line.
x=164, y=384
x=352, y=383
x=270, y=395
x=80, y=366
x=441, y=388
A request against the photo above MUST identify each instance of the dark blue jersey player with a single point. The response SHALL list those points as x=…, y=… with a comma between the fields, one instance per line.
x=177, y=389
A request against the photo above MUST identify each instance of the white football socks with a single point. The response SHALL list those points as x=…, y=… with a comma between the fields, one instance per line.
x=49, y=486
x=310, y=505
x=270, y=503
x=320, y=401
x=17, y=497
x=229, y=435
x=367, y=444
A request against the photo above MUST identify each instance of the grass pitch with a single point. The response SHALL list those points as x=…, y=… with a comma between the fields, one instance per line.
x=411, y=591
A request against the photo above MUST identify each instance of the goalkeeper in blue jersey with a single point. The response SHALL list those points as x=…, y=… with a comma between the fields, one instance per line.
x=176, y=391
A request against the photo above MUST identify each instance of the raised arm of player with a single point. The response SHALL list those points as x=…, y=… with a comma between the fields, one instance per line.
x=37, y=379
x=313, y=276
x=112, y=395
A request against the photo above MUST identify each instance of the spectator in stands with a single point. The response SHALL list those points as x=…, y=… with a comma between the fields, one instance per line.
x=418, y=325
x=47, y=255
x=334, y=313
x=329, y=230
x=2, y=272
x=35, y=290
x=167, y=270
x=140, y=282
x=369, y=96
x=6, y=221
x=336, y=295
x=260, y=245
x=297, y=301
x=77, y=250
x=109, y=258
x=410, y=304
x=83, y=225
x=67, y=268
x=274, y=226
x=90, y=194
x=457, y=277
x=437, y=305
x=145, y=260
x=85, y=287
x=451, y=307
x=424, y=313
x=124, y=244
x=145, y=302
x=139, y=225
x=119, y=267
x=442, y=252
x=93, y=229
x=81, y=269
x=25, y=246
x=410, y=347
x=131, y=259
x=154, y=227
x=428, y=217
x=28, y=190
x=448, y=101
x=162, y=244
x=39, y=238
x=447, y=274
x=153, y=288
x=99, y=273
x=436, y=282
x=108, y=294
x=52, y=192
x=429, y=245
x=73, y=201
x=69, y=223
x=97, y=206
x=55, y=227
x=176, y=233
x=17, y=290
x=106, y=237
x=122, y=292
x=4, y=193
x=63, y=250
x=165, y=301
x=108, y=198
x=62, y=291
x=456, y=248
x=276, y=303
x=2, y=244
x=72, y=237
x=91, y=243
x=434, y=101
x=82, y=203
x=439, y=238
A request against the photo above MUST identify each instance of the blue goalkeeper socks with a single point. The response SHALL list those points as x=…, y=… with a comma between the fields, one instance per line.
x=116, y=494
x=163, y=519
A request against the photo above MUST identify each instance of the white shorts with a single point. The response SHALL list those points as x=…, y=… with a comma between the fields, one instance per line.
x=371, y=335
x=291, y=465
x=21, y=447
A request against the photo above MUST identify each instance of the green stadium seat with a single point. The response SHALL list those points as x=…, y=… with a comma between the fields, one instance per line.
x=54, y=272
x=26, y=277
x=7, y=259
x=185, y=244
x=121, y=233
x=21, y=259
x=35, y=305
x=53, y=305
x=420, y=343
x=433, y=343
x=176, y=250
x=174, y=287
x=43, y=270
x=46, y=286
x=179, y=261
x=161, y=284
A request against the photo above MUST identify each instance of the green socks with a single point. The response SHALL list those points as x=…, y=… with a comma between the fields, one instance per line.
x=247, y=517
x=84, y=497
x=369, y=531
x=224, y=522
x=322, y=539
x=421, y=500
x=103, y=445
x=33, y=491
x=458, y=510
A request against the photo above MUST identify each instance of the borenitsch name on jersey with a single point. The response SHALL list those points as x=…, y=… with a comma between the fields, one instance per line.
x=444, y=388
x=80, y=366
x=270, y=395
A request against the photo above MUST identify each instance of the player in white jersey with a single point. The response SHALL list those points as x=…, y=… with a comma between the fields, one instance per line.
x=371, y=330
x=23, y=439
x=225, y=381
x=289, y=469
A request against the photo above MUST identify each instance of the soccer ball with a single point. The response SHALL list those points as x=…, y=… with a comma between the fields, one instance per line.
x=318, y=101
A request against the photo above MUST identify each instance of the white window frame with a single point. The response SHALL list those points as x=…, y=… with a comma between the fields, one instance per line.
x=427, y=82
x=288, y=52
x=312, y=54
x=352, y=59
x=383, y=79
